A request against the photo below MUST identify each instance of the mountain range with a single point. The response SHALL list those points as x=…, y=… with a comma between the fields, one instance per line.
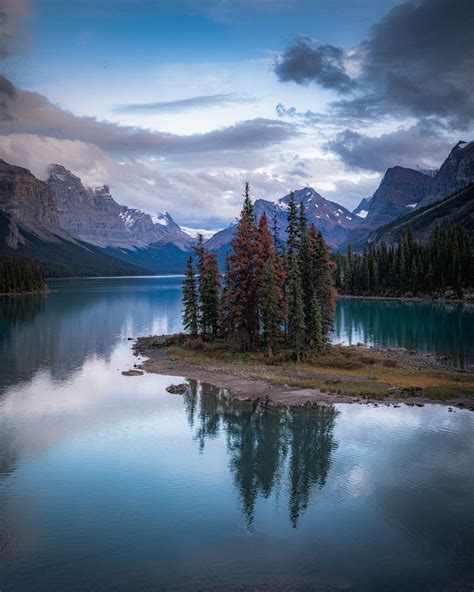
x=72, y=229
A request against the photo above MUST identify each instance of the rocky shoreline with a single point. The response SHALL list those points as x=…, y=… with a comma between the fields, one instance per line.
x=243, y=389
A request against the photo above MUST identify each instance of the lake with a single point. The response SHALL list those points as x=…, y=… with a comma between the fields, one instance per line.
x=109, y=483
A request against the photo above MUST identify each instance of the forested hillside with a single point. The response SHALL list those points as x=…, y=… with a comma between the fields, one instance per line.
x=442, y=266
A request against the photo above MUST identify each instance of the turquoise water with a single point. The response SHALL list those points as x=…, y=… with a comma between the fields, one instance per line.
x=109, y=483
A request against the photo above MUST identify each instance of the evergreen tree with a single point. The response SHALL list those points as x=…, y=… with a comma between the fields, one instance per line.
x=270, y=279
x=270, y=306
x=322, y=282
x=315, y=333
x=296, y=315
x=241, y=285
x=190, y=301
x=293, y=227
x=210, y=288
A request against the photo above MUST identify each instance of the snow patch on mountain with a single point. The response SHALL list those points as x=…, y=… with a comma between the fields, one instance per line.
x=193, y=232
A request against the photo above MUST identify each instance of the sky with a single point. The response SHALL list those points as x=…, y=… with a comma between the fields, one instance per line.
x=176, y=103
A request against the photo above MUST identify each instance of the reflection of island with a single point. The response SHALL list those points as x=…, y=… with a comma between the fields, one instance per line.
x=266, y=449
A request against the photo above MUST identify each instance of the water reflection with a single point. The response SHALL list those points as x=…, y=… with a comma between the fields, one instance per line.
x=81, y=320
x=445, y=328
x=266, y=450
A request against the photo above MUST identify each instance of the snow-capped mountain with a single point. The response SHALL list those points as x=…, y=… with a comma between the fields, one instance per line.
x=332, y=219
x=194, y=232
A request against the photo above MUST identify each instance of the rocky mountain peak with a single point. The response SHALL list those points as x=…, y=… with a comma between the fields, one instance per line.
x=456, y=172
x=332, y=219
x=27, y=199
x=401, y=190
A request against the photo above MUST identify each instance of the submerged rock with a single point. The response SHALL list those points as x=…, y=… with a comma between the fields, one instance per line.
x=132, y=372
x=177, y=389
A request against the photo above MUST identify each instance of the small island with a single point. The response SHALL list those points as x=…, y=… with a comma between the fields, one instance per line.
x=262, y=330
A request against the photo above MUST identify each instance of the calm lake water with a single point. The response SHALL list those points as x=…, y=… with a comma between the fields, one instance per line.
x=109, y=483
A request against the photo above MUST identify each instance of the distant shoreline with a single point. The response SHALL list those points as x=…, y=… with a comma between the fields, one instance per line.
x=469, y=299
x=42, y=292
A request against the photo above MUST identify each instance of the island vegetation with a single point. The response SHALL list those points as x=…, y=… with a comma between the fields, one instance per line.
x=272, y=296
x=20, y=275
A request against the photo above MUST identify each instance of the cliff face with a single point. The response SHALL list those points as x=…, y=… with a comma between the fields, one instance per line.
x=26, y=199
x=456, y=173
x=400, y=191
x=90, y=215
x=93, y=216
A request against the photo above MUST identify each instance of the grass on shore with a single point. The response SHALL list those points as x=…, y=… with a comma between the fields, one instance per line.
x=350, y=371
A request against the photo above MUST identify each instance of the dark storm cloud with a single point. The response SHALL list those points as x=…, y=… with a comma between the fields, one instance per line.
x=181, y=104
x=420, y=57
x=418, y=61
x=405, y=147
x=31, y=113
x=306, y=61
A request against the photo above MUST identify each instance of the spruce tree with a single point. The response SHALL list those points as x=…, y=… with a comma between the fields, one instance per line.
x=322, y=277
x=270, y=306
x=210, y=288
x=190, y=300
x=241, y=284
x=292, y=228
x=296, y=320
x=316, y=339
x=270, y=278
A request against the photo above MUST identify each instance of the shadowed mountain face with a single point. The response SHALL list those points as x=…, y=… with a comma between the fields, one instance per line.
x=455, y=209
x=456, y=172
x=332, y=219
x=403, y=190
x=400, y=191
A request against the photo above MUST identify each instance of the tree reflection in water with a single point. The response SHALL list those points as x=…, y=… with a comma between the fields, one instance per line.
x=266, y=449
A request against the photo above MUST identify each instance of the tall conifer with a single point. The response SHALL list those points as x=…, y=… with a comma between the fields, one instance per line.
x=190, y=300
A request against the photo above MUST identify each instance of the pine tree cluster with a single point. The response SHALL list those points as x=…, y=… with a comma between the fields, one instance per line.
x=443, y=266
x=19, y=275
x=272, y=295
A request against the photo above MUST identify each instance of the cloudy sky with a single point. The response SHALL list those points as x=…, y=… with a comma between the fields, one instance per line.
x=175, y=103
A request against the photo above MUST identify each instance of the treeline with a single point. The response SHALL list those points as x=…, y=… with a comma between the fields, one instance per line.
x=271, y=295
x=19, y=275
x=443, y=266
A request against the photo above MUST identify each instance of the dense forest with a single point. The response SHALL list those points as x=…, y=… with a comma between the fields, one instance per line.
x=20, y=275
x=271, y=295
x=443, y=266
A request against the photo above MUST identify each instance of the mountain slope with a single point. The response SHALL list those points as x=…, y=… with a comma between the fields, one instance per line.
x=455, y=209
x=400, y=190
x=59, y=257
x=456, y=172
x=332, y=219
